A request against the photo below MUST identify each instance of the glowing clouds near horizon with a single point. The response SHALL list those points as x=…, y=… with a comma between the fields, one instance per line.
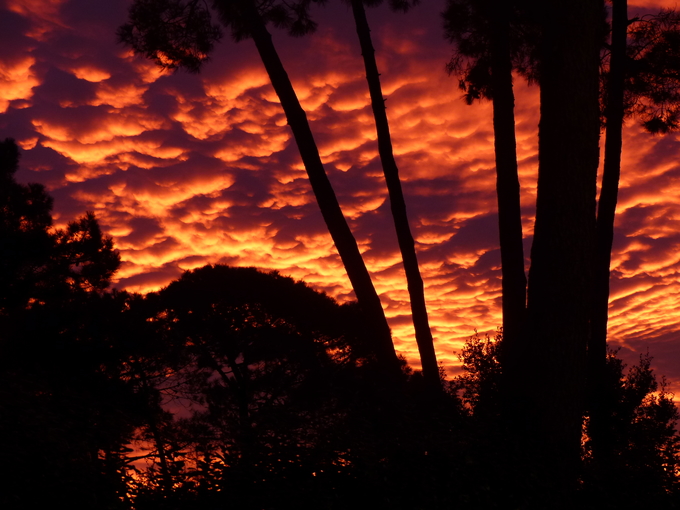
x=185, y=170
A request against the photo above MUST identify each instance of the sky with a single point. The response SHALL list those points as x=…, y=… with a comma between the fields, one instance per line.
x=184, y=170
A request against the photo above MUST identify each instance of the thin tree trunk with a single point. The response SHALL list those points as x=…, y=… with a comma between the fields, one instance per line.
x=560, y=278
x=325, y=196
x=241, y=391
x=414, y=280
x=514, y=282
x=166, y=476
x=597, y=349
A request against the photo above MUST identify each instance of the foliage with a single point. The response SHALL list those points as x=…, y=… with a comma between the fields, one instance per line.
x=25, y=221
x=180, y=33
x=480, y=382
x=269, y=371
x=469, y=25
x=646, y=446
x=39, y=263
x=653, y=71
x=643, y=438
x=652, y=88
x=172, y=33
x=64, y=407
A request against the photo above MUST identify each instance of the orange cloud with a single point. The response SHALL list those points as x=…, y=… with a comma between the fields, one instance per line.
x=43, y=13
x=17, y=81
x=119, y=96
x=91, y=74
x=108, y=126
x=96, y=152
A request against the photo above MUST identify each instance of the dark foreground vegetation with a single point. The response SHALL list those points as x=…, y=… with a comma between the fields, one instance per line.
x=232, y=388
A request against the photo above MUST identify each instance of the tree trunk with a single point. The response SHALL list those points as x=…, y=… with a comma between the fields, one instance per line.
x=153, y=409
x=325, y=196
x=166, y=476
x=514, y=282
x=559, y=288
x=597, y=349
x=414, y=280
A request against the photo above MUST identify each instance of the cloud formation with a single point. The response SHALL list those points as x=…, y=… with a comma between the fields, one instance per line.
x=184, y=170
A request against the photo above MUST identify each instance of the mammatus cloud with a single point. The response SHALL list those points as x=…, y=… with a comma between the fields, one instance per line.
x=184, y=170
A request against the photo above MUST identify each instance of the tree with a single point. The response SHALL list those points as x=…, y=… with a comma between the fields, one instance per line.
x=614, y=115
x=643, y=79
x=652, y=86
x=24, y=228
x=280, y=402
x=179, y=34
x=557, y=326
x=37, y=261
x=490, y=42
x=639, y=78
x=558, y=46
x=480, y=383
x=65, y=409
x=268, y=364
x=414, y=280
x=644, y=439
x=642, y=464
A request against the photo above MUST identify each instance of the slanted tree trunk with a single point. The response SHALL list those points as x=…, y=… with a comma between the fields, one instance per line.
x=325, y=196
x=514, y=282
x=597, y=348
x=414, y=280
x=558, y=312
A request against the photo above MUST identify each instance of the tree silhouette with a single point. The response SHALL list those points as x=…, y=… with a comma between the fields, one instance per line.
x=179, y=34
x=597, y=346
x=414, y=280
x=557, y=326
x=490, y=41
x=280, y=402
x=25, y=224
x=643, y=468
x=266, y=362
x=644, y=449
x=643, y=79
x=39, y=262
x=652, y=82
x=65, y=409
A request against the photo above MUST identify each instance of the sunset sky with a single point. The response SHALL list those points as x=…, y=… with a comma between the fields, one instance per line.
x=184, y=170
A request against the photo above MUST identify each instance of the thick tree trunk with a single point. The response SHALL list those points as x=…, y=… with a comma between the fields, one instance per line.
x=559, y=290
x=414, y=280
x=597, y=349
x=514, y=282
x=325, y=196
